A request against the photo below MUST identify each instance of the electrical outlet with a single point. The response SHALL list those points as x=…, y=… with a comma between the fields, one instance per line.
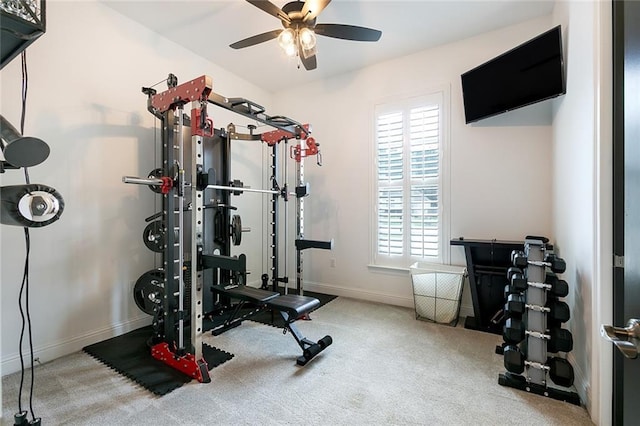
x=332, y=262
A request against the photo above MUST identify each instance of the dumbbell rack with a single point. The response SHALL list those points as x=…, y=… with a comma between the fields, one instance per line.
x=533, y=329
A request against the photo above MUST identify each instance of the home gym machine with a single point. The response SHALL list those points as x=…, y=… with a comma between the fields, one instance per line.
x=533, y=332
x=195, y=229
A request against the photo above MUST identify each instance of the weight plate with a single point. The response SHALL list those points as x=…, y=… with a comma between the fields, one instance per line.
x=236, y=230
x=154, y=236
x=148, y=291
x=156, y=174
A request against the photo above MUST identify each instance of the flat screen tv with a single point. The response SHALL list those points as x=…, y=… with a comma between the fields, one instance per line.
x=526, y=74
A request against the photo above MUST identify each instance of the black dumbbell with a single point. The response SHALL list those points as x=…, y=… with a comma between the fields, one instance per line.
x=514, y=307
x=513, y=331
x=561, y=340
x=513, y=270
x=519, y=259
x=558, y=311
x=519, y=282
x=509, y=290
x=560, y=371
x=559, y=287
x=556, y=264
x=513, y=359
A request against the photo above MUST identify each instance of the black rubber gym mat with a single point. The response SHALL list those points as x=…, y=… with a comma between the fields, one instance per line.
x=130, y=356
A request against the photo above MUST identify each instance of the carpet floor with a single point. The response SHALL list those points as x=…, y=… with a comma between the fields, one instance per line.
x=384, y=368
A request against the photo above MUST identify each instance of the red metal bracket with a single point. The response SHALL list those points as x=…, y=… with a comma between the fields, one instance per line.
x=196, y=114
x=187, y=364
x=196, y=89
x=298, y=153
x=275, y=136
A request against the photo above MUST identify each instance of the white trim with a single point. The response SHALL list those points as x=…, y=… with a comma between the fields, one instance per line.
x=443, y=94
x=581, y=384
x=601, y=386
x=47, y=353
x=355, y=293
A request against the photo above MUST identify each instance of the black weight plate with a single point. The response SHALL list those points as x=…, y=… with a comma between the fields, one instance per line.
x=156, y=174
x=148, y=291
x=236, y=229
x=154, y=236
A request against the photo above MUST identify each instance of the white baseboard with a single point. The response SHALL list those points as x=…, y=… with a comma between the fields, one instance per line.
x=359, y=294
x=47, y=353
x=389, y=299
x=580, y=380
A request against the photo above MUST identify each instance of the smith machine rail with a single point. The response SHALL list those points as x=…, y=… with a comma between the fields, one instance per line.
x=194, y=230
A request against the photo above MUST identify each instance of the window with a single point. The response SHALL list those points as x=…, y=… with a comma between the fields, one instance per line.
x=409, y=176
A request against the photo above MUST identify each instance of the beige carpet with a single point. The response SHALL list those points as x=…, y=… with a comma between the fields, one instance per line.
x=384, y=368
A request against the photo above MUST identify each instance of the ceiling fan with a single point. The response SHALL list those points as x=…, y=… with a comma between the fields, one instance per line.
x=300, y=29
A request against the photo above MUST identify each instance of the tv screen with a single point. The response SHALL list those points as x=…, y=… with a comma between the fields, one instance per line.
x=529, y=73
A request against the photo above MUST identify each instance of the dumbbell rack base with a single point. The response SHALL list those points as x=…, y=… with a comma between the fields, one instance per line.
x=519, y=382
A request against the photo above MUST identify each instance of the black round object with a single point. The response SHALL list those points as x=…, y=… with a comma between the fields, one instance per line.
x=26, y=152
x=156, y=174
x=148, y=291
x=513, y=359
x=325, y=341
x=154, y=236
x=236, y=230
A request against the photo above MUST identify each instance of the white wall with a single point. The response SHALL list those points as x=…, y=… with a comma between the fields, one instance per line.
x=582, y=193
x=84, y=100
x=500, y=167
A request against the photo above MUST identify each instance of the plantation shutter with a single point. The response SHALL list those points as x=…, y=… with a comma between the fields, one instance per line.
x=389, y=134
x=424, y=143
x=409, y=181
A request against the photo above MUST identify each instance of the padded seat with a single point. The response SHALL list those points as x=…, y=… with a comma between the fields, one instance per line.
x=294, y=305
x=247, y=293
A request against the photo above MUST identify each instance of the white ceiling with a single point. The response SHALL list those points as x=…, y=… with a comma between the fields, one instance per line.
x=209, y=27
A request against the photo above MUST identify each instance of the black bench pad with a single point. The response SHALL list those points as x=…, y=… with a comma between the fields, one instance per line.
x=247, y=293
x=294, y=305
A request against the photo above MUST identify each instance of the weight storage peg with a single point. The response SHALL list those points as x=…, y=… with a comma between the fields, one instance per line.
x=556, y=311
x=556, y=264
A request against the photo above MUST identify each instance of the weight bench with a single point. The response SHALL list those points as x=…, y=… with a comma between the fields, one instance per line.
x=291, y=307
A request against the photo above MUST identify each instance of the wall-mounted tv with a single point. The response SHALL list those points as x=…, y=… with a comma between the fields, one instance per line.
x=526, y=74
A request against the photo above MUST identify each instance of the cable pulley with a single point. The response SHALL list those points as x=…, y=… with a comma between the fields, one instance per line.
x=148, y=291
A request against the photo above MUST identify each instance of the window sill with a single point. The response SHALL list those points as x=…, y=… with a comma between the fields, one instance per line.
x=388, y=269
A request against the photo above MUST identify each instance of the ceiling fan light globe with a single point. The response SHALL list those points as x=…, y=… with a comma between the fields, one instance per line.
x=287, y=38
x=290, y=50
x=307, y=38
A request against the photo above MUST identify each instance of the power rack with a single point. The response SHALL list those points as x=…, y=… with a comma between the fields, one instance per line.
x=194, y=231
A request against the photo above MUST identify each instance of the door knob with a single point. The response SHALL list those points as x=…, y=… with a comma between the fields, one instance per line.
x=626, y=339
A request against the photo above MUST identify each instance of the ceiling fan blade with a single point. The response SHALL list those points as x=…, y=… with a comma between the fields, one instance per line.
x=310, y=62
x=348, y=32
x=271, y=9
x=312, y=9
x=256, y=39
